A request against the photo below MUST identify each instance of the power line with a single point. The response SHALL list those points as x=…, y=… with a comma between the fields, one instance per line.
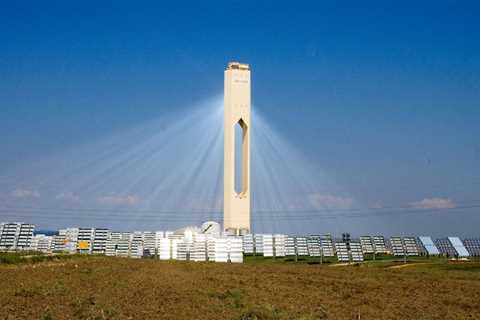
x=304, y=215
x=219, y=211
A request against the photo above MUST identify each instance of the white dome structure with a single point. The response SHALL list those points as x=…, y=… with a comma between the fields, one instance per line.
x=211, y=227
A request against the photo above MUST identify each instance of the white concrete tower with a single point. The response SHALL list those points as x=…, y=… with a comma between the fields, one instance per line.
x=236, y=203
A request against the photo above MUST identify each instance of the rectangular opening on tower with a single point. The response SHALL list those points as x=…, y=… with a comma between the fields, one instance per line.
x=241, y=175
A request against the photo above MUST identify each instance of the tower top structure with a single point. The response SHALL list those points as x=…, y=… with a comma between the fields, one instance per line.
x=238, y=66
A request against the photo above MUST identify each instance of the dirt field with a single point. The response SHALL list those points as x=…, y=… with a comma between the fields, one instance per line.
x=116, y=288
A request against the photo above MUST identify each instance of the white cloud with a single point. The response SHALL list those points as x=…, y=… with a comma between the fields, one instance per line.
x=328, y=201
x=67, y=196
x=434, y=203
x=118, y=200
x=25, y=193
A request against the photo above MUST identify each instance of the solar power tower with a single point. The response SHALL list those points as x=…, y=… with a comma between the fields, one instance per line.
x=236, y=201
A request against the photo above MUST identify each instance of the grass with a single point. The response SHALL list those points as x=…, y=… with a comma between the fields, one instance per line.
x=380, y=260
x=289, y=260
x=95, y=287
x=23, y=257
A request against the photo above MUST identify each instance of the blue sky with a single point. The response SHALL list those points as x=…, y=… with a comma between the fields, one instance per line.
x=384, y=98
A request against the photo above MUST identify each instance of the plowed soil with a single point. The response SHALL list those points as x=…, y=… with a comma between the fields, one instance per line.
x=119, y=288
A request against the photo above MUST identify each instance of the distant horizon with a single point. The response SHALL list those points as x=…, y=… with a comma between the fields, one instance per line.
x=51, y=232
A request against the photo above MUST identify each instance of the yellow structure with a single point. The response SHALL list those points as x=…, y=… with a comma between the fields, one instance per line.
x=236, y=203
x=83, y=245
